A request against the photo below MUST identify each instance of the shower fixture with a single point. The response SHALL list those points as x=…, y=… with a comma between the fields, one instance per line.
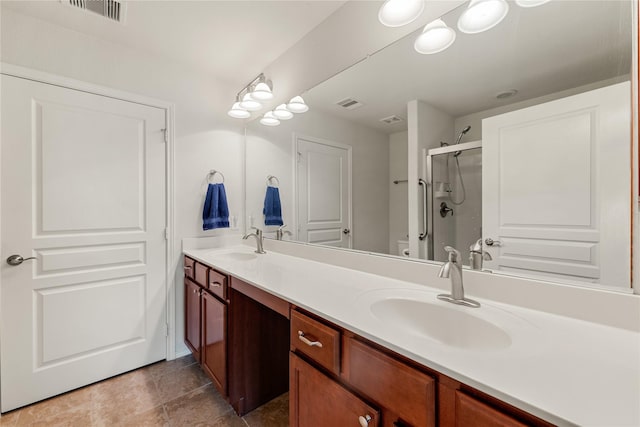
x=455, y=156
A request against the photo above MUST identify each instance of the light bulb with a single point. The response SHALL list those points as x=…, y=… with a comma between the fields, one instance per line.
x=396, y=13
x=482, y=15
x=531, y=3
x=238, y=112
x=250, y=104
x=435, y=38
x=262, y=92
x=297, y=105
x=269, y=120
x=282, y=113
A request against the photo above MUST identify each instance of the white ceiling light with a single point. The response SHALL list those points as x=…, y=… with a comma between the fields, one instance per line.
x=531, y=3
x=297, y=105
x=262, y=92
x=250, y=104
x=238, y=112
x=282, y=113
x=435, y=38
x=482, y=15
x=269, y=120
x=396, y=13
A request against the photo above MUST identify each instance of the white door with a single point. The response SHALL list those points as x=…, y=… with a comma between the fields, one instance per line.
x=83, y=191
x=324, y=193
x=556, y=185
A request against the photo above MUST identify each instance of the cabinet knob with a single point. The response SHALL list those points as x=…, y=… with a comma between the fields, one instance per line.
x=364, y=420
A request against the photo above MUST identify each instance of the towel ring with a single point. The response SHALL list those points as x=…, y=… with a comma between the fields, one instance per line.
x=273, y=177
x=212, y=175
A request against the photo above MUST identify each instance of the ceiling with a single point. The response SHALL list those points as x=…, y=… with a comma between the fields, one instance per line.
x=538, y=51
x=233, y=40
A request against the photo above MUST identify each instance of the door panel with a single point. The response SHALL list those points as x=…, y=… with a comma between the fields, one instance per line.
x=214, y=340
x=84, y=192
x=554, y=193
x=324, y=194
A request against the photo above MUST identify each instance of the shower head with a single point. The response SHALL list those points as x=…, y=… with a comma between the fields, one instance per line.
x=465, y=130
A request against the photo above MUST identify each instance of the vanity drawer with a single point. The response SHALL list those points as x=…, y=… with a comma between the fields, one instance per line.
x=189, y=266
x=405, y=395
x=316, y=340
x=200, y=274
x=218, y=283
x=470, y=411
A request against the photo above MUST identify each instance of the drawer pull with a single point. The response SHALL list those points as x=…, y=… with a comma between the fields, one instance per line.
x=364, y=421
x=308, y=342
x=187, y=268
x=215, y=284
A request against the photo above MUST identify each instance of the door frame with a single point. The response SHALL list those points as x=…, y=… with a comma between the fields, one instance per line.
x=296, y=195
x=169, y=108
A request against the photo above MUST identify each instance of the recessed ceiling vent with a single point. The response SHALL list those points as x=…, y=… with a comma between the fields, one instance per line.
x=392, y=120
x=349, y=104
x=111, y=9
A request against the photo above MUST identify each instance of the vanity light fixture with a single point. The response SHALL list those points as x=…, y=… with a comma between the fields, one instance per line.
x=297, y=105
x=531, y=3
x=237, y=112
x=269, y=119
x=396, y=13
x=261, y=92
x=250, y=104
x=482, y=15
x=435, y=37
x=282, y=113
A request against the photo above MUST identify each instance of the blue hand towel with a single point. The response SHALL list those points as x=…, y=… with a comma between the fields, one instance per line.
x=272, y=209
x=216, y=212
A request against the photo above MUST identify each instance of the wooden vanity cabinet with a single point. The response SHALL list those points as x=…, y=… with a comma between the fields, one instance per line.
x=214, y=340
x=192, y=318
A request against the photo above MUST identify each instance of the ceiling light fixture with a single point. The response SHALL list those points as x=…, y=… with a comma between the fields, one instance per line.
x=269, y=119
x=237, y=112
x=262, y=91
x=531, y=3
x=435, y=38
x=396, y=13
x=482, y=15
x=297, y=105
x=282, y=113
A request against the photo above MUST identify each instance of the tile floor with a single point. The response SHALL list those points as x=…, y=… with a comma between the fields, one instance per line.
x=173, y=394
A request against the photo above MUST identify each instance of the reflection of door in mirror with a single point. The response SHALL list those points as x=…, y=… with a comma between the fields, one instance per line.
x=556, y=192
x=324, y=194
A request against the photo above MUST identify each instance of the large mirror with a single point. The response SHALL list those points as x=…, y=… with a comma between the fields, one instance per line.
x=512, y=145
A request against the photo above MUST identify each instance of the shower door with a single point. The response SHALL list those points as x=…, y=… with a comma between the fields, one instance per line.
x=454, y=200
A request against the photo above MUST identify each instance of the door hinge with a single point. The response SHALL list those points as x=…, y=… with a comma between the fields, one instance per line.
x=166, y=234
x=166, y=134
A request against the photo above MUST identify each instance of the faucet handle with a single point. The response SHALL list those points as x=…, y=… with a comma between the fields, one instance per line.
x=454, y=254
x=282, y=227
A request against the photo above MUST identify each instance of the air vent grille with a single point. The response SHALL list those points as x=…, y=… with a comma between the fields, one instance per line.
x=349, y=104
x=111, y=9
x=392, y=120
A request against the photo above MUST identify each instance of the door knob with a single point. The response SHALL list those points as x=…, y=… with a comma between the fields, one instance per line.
x=18, y=259
x=490, y=242
x=346, y=231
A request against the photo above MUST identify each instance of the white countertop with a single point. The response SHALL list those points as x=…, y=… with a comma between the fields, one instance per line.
x=563, y=370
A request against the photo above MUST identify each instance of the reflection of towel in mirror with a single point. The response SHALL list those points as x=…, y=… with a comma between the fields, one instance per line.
x=272, y=209
x=216, y=212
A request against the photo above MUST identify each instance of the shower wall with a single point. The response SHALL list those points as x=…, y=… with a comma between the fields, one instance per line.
x=398, y=193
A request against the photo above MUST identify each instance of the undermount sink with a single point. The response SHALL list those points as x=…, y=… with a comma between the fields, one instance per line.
x=238, y=256
x=452, y=326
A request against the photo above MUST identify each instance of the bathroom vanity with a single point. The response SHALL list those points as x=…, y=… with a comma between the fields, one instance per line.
x=353, y=347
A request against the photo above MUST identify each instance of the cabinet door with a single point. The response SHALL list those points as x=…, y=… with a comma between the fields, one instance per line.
x=214, y=340
x=192, y=317
x=470, y=411
x=318, y=401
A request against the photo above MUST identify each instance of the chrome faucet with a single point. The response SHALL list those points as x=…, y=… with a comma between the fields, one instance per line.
x=453, y=269
x=477, y=255
x=280, y=232
x=259, y=240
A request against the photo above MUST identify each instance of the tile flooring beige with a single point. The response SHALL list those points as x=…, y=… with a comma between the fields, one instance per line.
x=171, y=394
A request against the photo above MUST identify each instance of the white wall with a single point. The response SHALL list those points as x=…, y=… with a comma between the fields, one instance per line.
x=398, y=193
x=270, y=152
x=205, y=138
x=427, y=127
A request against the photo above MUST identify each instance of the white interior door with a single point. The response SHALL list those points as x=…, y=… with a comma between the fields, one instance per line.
x=83, y=192
x=556, y=185
x=324, y=194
